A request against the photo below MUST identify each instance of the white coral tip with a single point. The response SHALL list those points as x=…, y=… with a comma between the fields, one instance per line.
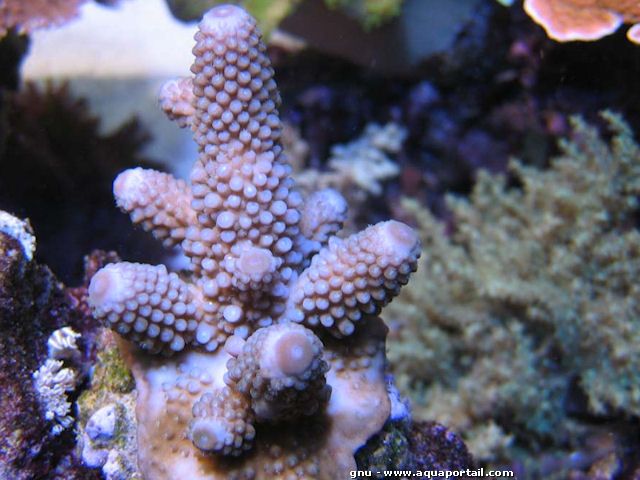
x=107, y=287
x=256, y=262
x=294, y=353
x=209, y=435
x=126, y=186
x=224, y=20
x=398, y=238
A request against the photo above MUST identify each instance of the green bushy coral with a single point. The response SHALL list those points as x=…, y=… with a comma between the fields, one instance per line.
x=371, y=13
x=532, y=302
x=269, y=13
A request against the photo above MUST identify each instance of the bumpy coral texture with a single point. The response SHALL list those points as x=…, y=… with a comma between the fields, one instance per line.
x=529, y=311
x=566, y=20
x=267, y=359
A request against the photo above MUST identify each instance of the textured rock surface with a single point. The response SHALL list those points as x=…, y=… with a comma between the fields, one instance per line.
x=413, y=446
x=111, y=392
x=32, y=305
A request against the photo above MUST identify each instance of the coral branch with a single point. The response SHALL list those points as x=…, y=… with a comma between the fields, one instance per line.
x=355, y=277
x=176, y=99
x=222, y=423
x=145, y=304
x=157, y=201
x=281, y=370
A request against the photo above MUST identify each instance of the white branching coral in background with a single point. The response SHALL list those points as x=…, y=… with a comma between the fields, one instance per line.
x=53, y=382
x=363, y=163
x=62, y=343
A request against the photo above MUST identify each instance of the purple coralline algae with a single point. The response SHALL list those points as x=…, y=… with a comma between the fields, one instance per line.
x=36, y=412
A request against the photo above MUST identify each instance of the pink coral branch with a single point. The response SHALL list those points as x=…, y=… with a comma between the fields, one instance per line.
x=254, y=290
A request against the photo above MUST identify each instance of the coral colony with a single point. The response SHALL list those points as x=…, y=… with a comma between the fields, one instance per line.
x=567, y=20
x=268, y=360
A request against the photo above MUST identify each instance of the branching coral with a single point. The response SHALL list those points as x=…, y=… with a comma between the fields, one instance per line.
x=532, y=303
x=52, y=384
x=267, y=361
x=566, y=20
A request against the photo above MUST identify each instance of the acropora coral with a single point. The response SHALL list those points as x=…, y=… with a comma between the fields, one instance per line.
x=566, y=20
x=267, y=360
x=529, y=308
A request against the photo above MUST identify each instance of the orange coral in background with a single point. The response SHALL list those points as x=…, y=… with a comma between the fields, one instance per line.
x=30, y=15
x=566, y=20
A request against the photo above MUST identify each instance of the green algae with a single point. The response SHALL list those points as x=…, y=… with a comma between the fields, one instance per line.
x=111, y=378
x=269, y=13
